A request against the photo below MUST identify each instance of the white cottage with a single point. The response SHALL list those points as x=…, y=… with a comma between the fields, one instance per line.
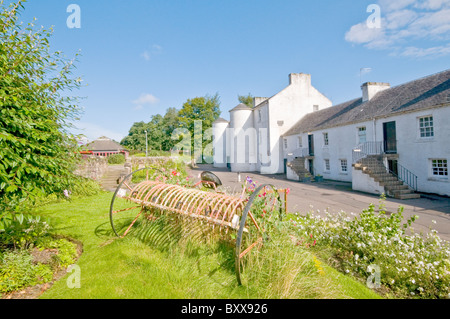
x=252, y=141
x=391, y=140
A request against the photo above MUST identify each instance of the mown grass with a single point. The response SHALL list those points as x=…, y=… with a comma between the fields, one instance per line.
x=149, y=263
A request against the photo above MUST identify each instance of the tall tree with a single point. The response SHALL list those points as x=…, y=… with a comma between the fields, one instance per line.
x=37, y=153
x=197, y=116
x=246, y=99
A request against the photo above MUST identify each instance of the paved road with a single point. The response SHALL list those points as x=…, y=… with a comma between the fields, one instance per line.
x=336, y=196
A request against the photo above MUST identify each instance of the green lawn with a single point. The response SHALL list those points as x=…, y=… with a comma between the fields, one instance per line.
x=137, y=268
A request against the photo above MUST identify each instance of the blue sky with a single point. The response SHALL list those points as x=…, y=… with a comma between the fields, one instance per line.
x=140, y=57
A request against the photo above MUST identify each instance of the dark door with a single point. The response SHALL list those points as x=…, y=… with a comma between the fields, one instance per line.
x=390, y=138
x=393, y=167
x=311, y=167
x=311, y=144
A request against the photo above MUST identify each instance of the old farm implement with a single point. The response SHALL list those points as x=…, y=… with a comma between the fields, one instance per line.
x=242, y=218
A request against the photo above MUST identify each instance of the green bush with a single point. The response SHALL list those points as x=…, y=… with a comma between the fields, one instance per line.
x=116, y=159
x=411, y=265
x=85, y=187
x=17, y=271
x=21, y=231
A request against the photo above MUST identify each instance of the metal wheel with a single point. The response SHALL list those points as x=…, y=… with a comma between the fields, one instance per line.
x=254, y=230
x=123, y=213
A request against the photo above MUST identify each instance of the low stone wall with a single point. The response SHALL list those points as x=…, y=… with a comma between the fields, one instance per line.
x=92, y=167
x=141, y=162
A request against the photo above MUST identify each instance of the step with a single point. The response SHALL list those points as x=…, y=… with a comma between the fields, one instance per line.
x=407, y=196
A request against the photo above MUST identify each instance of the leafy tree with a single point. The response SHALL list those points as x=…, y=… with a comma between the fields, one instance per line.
x=203, y=110
x=246, y=99
x=159, y=131
x=38, y=155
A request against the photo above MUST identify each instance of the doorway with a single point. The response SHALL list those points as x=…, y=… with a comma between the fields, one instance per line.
x=390, y=138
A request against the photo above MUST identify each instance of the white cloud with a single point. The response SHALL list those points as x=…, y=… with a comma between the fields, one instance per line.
x=156, y=49
x=412, y=28
x=145, y=99
x=93, y=131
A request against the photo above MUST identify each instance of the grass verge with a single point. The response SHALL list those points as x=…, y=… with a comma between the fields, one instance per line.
x=137, y=268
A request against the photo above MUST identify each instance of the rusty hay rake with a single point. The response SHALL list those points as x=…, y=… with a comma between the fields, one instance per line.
x=233, y=217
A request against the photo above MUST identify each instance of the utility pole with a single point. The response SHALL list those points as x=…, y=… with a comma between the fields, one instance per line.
x=146, y=144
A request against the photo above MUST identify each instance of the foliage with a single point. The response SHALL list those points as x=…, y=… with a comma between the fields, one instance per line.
x=159, y=132
x=67, y=251
x=116, y=159
x=246, y=99
x=38, y=155
x=18, y=230
x=85, y=187
x=195, y=121
x=411, y=265
x=17, y=271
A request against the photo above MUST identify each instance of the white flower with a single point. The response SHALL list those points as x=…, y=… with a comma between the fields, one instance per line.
x=413, y=281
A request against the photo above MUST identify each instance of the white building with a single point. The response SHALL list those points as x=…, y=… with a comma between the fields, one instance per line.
x=252, y=141
x=390, y=140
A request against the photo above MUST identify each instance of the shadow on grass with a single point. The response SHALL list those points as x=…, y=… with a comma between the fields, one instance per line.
x=179, y=235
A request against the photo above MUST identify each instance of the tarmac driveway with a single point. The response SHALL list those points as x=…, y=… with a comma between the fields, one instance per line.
x=333, y=196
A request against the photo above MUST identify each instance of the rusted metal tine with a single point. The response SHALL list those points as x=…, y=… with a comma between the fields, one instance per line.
x=149, y=193
x=125, y=209
x=179, y=198
x=254, y=220
x=167, y=188
x=249, y=248
x=142, y=188
x=131, y=225
x=171, y=193
x=190, y=200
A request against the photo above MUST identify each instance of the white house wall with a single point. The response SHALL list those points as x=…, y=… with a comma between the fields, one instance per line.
x=415, y=153
x=286, y=109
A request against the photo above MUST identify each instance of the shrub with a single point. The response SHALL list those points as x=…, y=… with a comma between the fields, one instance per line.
x=85, y=187
x=411, y=265
x=116, y=159
x=17, y=271
x=21, y=231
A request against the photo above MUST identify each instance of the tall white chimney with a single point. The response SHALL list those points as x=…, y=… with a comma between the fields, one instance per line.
x=370, y=89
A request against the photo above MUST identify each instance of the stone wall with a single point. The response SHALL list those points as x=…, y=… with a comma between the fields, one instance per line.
x=92, y=167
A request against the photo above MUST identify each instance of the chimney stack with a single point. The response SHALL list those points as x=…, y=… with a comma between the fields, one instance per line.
x=370, y=89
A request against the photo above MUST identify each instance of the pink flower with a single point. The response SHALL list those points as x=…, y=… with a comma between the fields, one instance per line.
x=288, y=190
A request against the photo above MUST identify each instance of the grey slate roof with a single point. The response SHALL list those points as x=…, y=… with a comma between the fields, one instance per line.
x=241, y=106
x=221, y=120
x=104, y=144
x=430, y=91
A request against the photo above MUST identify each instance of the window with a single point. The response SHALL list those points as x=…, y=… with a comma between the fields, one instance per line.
x=362, y=135
x=285, y=143
x=299, y=142
x=325, y=139
x=327, y=165
x=259, y=116
x=439, y=167
x=344, y=166
x=315, y=108
x=426, y=126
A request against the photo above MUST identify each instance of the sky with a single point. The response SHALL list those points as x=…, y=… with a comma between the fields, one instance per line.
x=140, y=57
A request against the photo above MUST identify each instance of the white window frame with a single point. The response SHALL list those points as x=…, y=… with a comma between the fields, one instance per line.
x=423, y=133
x=439, y=168
x=326, y=139
x=362, y=129
x=299, y=142
x=285, y=143
x=326, y=164
x=342, y=165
